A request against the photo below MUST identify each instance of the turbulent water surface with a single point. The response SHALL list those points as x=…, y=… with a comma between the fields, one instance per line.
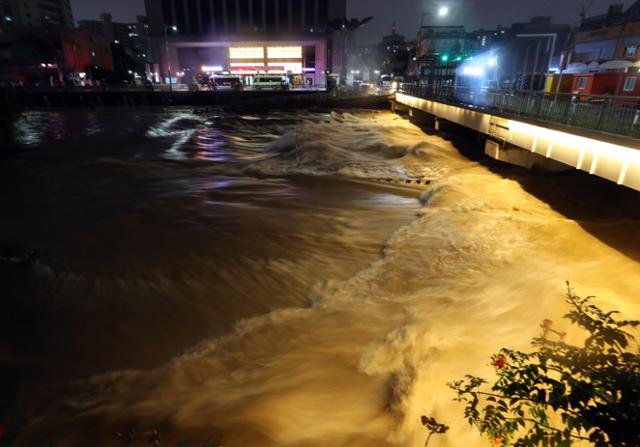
x=277, y=280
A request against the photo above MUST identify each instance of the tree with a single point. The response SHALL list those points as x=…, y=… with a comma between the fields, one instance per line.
x=561, y=393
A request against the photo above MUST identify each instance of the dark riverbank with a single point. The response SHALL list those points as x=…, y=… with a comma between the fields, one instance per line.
x=246, y=99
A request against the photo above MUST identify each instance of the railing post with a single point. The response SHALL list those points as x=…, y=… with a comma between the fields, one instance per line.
x=604, y=110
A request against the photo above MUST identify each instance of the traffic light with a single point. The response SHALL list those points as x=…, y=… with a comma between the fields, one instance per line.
x=444, y=57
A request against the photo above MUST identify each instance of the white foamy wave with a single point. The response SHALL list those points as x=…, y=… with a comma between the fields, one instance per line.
x=368, y=146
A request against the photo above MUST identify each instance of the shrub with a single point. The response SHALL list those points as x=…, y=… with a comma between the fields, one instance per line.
x=561, y=393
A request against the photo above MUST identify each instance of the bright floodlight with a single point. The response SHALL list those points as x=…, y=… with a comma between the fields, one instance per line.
x=492, y=62
x=443, y=11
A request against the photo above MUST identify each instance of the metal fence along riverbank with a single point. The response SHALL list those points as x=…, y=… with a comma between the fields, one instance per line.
x=619, y=115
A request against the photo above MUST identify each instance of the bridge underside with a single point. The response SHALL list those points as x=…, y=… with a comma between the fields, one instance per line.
x=613, y=161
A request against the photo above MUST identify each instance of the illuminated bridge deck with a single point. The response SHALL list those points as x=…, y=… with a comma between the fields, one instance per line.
x=596, y=141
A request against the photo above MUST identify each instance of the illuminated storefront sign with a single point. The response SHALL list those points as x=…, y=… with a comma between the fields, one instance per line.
x=286, y=67
x=246, y=53
x=280, y=60
x=246, y=64
x=284, y=52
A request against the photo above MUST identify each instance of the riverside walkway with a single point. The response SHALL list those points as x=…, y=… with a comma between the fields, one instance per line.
x=596, y=134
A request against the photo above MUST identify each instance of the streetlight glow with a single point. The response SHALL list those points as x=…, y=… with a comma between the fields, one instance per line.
x=443, y=11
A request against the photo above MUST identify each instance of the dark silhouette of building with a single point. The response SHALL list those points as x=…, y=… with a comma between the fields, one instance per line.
x=245, y=37
x=234, y=17
x=133, y=37
x=34, y=13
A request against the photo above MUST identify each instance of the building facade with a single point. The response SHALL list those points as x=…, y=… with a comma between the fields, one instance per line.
x=34, y=13
x=244, y=37
x=439, y=45
x=522, y=55
x=611, y=36
x=133, y=36
x=52, y=55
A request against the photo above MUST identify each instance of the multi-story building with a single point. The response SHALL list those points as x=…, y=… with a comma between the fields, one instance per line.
x=610, y=36
x=521, y=56
x=133, y=37
x=440, y=45
x=396, y=54
x=33, y=13
x=245, y=37
x=53, y=55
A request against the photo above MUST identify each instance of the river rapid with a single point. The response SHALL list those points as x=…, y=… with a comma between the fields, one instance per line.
x=279, y=280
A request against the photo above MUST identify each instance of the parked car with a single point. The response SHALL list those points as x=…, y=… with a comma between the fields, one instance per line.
x=269, y=82
x=227, y=83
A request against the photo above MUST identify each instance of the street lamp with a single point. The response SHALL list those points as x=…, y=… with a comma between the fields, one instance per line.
x=443, y=11
x=173, y=28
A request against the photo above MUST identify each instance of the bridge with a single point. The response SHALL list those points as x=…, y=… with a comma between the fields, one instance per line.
x=596, y=134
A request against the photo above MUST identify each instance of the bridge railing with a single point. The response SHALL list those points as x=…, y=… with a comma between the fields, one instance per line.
x=618, y=115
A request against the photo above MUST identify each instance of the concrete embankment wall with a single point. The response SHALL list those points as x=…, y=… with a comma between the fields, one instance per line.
x=249, y=99
x=540, y=145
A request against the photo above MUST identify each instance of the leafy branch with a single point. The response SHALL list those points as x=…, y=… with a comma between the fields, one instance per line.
x=561, y=393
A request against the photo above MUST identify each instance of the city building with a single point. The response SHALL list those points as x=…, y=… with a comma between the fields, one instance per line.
x=440, y=45
x=85, y=50
x=396, y=54
x=611, y=36
x=519, y=57
x=133, y=37
x=366, y=61
x=246, y=37
x=52, y=55
x=34, y=13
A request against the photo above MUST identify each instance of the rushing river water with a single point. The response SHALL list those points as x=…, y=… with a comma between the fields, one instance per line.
x=273, y=279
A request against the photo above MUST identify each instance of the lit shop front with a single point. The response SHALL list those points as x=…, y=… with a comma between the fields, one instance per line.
x=289, y=61
x=301, y=63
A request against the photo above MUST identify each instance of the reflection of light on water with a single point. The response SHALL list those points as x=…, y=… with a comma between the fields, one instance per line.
x=210, y=145
x=174, y=152
x=213, y=184
x=170, y=128
x=56, y=126
x=30, y=128
x=35, y=127
x=386, y=199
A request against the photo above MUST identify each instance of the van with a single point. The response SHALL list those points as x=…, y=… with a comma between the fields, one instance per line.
x=227, y=83
x=269, y=82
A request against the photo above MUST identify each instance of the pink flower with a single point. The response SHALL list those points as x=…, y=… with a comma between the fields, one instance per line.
x=498, y=360
x=498, y=440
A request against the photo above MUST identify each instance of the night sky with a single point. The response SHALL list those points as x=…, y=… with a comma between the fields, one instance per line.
x=473, y=14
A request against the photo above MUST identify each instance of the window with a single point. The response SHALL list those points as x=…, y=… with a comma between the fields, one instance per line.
x=283, y=15
x=630, y=51
x=271, y=14
x=205, y=11
x=246, y=53
x=257, y=14
x=284, y=52
x=630, y=83
x=582, y=83
x=232, y=15
x=218, y=15
x=243, y=13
